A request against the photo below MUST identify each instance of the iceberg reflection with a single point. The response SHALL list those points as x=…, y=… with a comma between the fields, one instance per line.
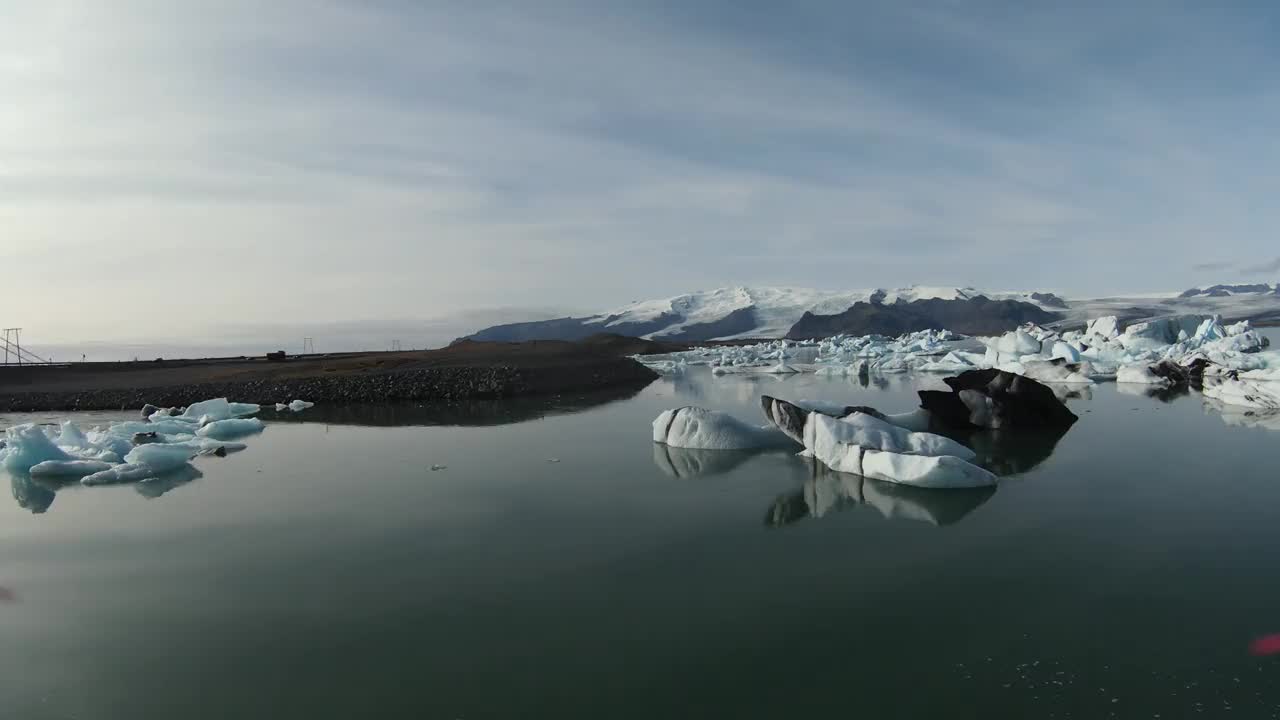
x=827, y=491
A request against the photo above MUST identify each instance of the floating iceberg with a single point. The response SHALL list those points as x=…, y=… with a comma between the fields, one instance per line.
x=231, y=428
x=1244, y=393
x=68, y=468
x=1184, y=349
x=1141, y=375
x=300, y=405
x=220, y=409
x=130, y=451
x=701, y=429
x=864, y=445
x=27, y=446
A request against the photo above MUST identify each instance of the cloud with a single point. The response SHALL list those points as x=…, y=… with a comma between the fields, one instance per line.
x=1207, y=266
x=409, y=160
x=1266, y=268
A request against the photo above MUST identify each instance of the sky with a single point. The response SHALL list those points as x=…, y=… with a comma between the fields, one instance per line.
x=247, y=173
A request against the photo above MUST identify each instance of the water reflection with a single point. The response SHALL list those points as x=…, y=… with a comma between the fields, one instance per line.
x=827, y=491
x=472, y=413
x=1153, y=392
x=37, y=494
x=155, y=487
x=31, y=494
x=1236, y=416
x=686, y=463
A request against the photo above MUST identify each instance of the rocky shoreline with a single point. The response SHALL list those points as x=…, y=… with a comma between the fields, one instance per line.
x=564, y=373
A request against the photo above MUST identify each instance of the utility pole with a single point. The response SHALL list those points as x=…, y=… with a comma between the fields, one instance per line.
x=308, y=346
x=13, y=336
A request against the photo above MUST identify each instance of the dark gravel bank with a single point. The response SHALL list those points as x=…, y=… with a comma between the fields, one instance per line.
x=477, y=373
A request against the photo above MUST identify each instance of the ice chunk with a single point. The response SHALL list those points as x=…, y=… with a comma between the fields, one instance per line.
x=1017, y=342
x=873, y=433
x=119, y=474
x=944, y=471
x=1104, y=327
x=300, y=405
x=69, y=468
x=781, y=369
x=701, y=429
x=230, y=429
x=1244, y=393
x=864, y=445
x=281, y=407
x=1065, y=351
x=1056, y=372
x=1140, y=375
x=28, y=446
x=220, y=409
x=71, y=437
x=161, y=458
x=145, y=462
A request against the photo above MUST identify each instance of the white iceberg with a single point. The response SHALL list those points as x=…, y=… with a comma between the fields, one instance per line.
x=68, y=468
x=220, y=409
x=231, y=428
x=145, y=462
x=864, y=445
x=701, y=429
x=28, y=446
x=1244, y=393
x=1140, y=375
x=300, y=405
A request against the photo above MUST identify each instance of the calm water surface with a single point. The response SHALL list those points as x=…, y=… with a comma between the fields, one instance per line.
x=562, y=566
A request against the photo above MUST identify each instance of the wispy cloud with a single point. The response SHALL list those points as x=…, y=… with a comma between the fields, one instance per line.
x=1208, y=266
x=1267, y=268
x=413, y=159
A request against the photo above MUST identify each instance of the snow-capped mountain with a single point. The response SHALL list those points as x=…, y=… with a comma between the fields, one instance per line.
x=737, y=313
x=740, y=312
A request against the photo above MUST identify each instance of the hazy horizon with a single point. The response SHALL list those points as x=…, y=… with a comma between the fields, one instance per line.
x=238, y=175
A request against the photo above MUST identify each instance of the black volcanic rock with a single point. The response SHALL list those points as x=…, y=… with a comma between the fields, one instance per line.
x=573, y=329
x=1226, y=290
x=974, y=316
x=996, y=399
x=1049, y=299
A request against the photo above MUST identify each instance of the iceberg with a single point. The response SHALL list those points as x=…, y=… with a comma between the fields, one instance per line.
x=300, y=405
x=1141, y=375
x=28, y=446
x=862, y=444
x=230, y=429
x=68, y=468
x=701, y=429
x=219, y=409
x=1244, y=393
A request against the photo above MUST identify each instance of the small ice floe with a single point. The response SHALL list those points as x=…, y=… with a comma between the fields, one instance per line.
x=230, y=429
x=701, y=429
x=300, y=405
x=438, y=468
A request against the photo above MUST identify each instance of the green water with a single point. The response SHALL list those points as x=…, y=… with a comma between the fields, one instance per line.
x=561, y=566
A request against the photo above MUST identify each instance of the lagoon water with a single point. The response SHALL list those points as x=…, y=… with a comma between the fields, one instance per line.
x=562, y=566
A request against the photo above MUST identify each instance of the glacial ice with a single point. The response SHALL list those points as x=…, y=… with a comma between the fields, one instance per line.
x=220, y=409
x=230, y=429
x=1065, y=361
x=102, y=456
x=1140, y=375
x=28, y=446
x=864, y=445
x=701, y=429
x=69, y=468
